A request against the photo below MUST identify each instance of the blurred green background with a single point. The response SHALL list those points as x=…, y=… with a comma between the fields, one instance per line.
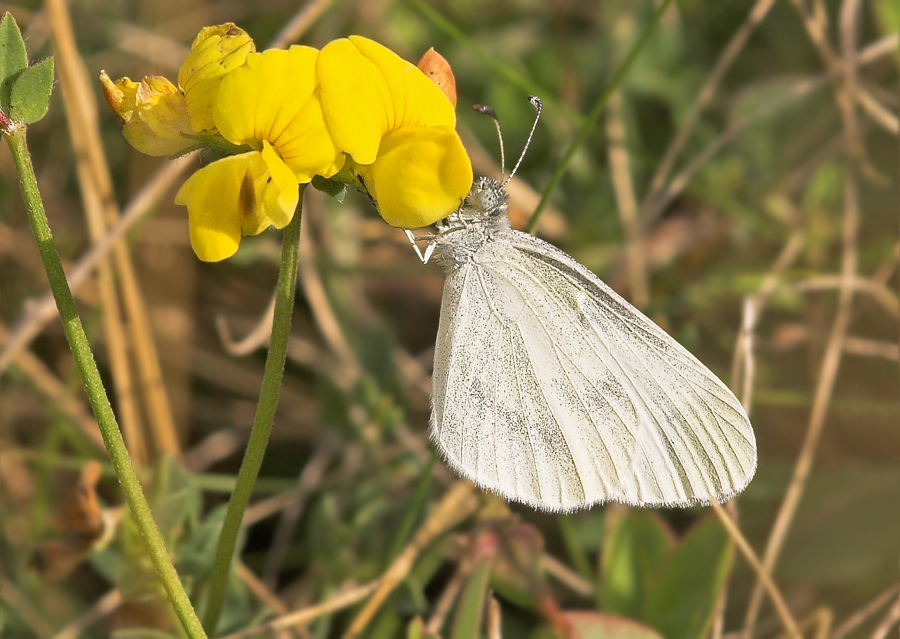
x=787, y=174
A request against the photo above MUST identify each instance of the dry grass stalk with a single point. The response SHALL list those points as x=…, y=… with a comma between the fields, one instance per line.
x=889, y=621
x=729, y=55
x=309, y=479
x=16, y=599
x=257, y=337
x=652, y=210
x=458, y=503
x=102, y=210
x=103, y=607
x=620, y=166
x=80, y=109
x=843, y=88
x=339, y=601
x=865, y=613
x=784, y=614
x=449, y=595
x=49, y=385
x=494, y=618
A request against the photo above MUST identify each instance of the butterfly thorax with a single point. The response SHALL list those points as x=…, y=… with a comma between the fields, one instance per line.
x=461, y=234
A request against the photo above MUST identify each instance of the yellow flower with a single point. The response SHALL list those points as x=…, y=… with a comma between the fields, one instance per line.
x=238, y=195
x=274, y=97
x=398, y=128
x=271, y=104
x=152, y=112
x=298, y=114
x=215, y=53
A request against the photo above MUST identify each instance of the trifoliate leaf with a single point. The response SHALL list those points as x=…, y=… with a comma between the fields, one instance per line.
x=13, y=59
x=30, y=95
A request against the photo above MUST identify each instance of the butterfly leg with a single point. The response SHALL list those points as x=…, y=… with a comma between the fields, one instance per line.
x=428, y=249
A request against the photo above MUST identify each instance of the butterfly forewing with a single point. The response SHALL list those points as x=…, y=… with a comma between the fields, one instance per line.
x=552, y=390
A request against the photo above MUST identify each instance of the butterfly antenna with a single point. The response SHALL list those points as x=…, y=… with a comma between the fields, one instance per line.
x=488, y=111
x=538, y=106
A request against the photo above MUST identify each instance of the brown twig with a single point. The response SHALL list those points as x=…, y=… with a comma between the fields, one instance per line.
x=44, y=310
x=862, y=615
x=256, y=338
x=448, y=595
x=310, y=477
x=627, y=201
x=889, y=621
x=676, y=186
x=754, y=305
x=729, y=55
x=47, y=383
x=300, y=23
x=339, y=601
x=566, y=576
x=34, y=618
x=494, y=618
x=101, y=207
x=103, y=607
x=871, y=348
x=80, y=110
x=323, y=314
x=142, y=203
x=458, y=503
x=740, y=541
x=883, y=295
x=834, y=349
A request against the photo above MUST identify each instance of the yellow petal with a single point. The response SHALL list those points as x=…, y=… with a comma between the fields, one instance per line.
x=273, y=98
x=355, y=99
x=161, y=106
x=219, y=198
x=152, y=113
x=216, y=51
x=281, y=192
x=120, y=96
x=416, y=100
x=421, y=176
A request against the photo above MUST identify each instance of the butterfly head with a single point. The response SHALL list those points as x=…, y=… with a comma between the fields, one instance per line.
x=485, y=199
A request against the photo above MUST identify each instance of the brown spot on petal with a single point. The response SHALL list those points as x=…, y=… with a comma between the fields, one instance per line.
x=247, y=197
x=438, y=70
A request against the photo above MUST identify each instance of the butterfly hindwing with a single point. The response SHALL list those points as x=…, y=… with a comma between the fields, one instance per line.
x=550, y=389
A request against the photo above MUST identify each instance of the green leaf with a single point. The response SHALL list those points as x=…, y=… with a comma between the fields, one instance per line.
x=576, y=550
x=636, y=545
x=29, y=98
x=415, y=629
x=594, y=625
x=13, y=58
x=683, y=599
x=337, y=190
x=887, y=14
x=467, y=622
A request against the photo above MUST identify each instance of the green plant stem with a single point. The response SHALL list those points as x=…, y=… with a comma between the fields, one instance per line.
x=262, y=423
x=93, y=385
x=595, y=114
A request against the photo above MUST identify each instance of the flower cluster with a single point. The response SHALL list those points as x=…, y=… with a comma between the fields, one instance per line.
x=354, y=112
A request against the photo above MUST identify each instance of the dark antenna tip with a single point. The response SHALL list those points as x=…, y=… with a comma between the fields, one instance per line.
x=538, y=106
x=488, y=111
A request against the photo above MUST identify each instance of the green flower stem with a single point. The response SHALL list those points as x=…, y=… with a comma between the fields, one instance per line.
x=93, y=385
x=592, y=117
x=262, y=423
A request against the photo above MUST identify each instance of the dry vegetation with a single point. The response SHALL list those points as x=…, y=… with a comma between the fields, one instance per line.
x=741, y=187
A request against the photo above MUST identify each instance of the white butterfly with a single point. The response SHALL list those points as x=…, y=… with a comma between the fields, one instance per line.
x=551, y=390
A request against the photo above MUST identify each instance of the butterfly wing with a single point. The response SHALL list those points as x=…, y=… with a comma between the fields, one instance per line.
x=552, y=390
